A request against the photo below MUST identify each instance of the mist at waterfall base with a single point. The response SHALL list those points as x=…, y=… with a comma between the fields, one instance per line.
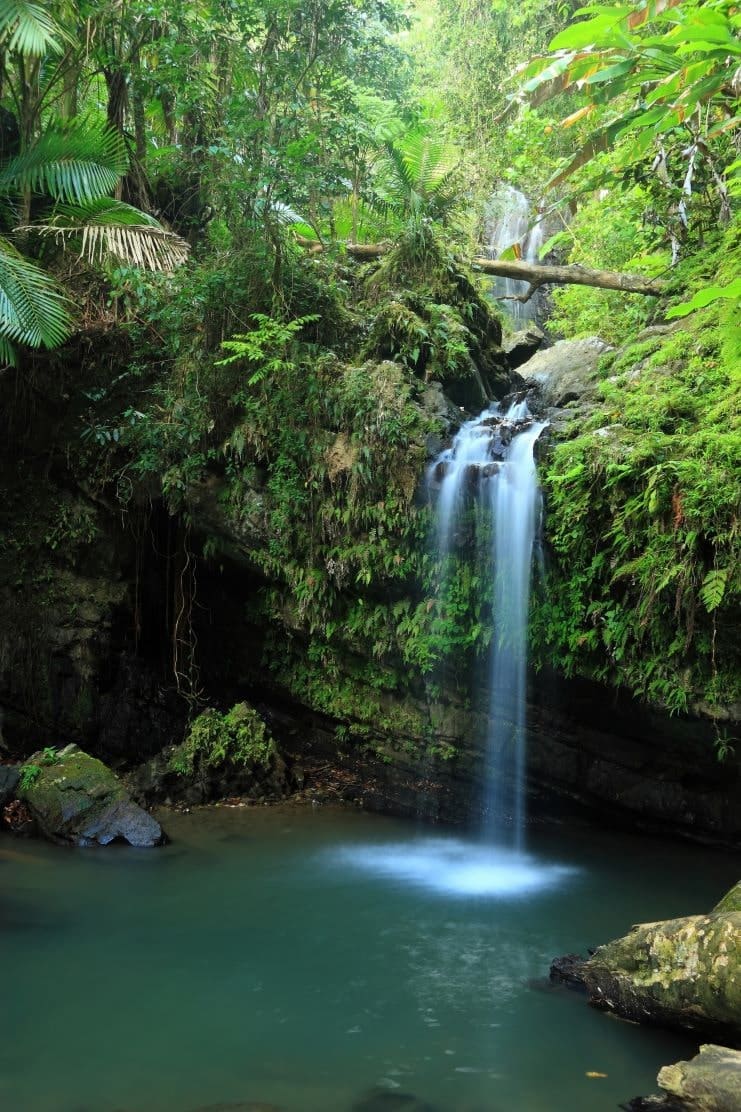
x=487, y=474
x=510, y=221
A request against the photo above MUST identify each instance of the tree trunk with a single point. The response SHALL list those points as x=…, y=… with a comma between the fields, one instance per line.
x=537, y=274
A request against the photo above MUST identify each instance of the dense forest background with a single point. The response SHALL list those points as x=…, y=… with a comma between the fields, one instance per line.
x=211, y=406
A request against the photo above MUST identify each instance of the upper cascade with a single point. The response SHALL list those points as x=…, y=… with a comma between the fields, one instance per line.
x=509, y=222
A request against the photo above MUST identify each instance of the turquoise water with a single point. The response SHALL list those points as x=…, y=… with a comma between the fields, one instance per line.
x=310, y=960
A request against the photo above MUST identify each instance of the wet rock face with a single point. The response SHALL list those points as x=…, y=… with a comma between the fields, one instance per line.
x=9, y=776
x=566, y=372
x=709, y=1082
x=522, y=346
x=682, y=973
x=76, y=799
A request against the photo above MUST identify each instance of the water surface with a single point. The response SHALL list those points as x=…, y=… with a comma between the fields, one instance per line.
x=309, y=959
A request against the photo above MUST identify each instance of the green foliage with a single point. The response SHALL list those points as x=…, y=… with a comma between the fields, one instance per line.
x=713, y=588
x=28, y=776
x=724, y=747
x=267, y=346
x=237, y=739
x=28, y=29
x=642, y=511
x=417, y=179
x=658, y=66
x=661, y=73
x=33, y=311
x=610, y=230
x=74, y=525
x=706, y=296
x=77, y=163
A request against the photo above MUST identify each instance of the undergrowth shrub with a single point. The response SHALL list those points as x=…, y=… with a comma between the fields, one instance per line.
x=237, y=739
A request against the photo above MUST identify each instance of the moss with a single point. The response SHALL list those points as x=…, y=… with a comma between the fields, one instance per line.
x=644, y=580
x=67, y=788
x=686, y=972
x=731, y=901
x=236, y=740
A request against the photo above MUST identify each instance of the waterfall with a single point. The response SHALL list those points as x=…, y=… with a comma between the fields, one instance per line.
x=508, y=222
x=488, y=474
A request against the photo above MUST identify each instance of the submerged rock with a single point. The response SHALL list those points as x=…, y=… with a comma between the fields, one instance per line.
x=76, y=799
x=683, y=973
x=709, y=1082
x=383, y=1100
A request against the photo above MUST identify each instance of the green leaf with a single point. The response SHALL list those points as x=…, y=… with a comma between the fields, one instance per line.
x=33, y=311
x=591, y=31
x=713, y=588
x=78, y=163
x=26, y=28
x=706, y=296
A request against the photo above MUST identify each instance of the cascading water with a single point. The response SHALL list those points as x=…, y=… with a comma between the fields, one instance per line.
x=510, y=221
x=489, y=474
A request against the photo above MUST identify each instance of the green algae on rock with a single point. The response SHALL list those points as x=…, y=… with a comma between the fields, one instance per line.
x=682, y=972
x=731, y=901
x=76, y=799
x=709, y=1082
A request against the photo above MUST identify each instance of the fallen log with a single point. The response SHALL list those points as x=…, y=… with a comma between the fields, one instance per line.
x=541, y=274
x=536, y=274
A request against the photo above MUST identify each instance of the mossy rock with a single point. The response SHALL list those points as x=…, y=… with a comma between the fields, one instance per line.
x=76, y=799
x=223, y=755
x=731, y=901
x=709, y=1082
x=683, y=973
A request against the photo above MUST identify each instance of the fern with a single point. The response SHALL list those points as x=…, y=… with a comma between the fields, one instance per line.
x=713, y=588
x=267, y=345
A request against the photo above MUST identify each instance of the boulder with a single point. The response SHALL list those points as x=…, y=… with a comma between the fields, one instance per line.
x=76, y=799
x=683, y=973
x=9, y=776
x=522, y=346
x=566, y=372
x=709, y=1082
x=731, y=901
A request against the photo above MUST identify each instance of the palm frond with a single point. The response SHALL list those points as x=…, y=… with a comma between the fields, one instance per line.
x=106, y=228
x=26, y=28
x=103, y=210
x=8, y=353
x=77, y=163
x=416, y=177
x=33, y=310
